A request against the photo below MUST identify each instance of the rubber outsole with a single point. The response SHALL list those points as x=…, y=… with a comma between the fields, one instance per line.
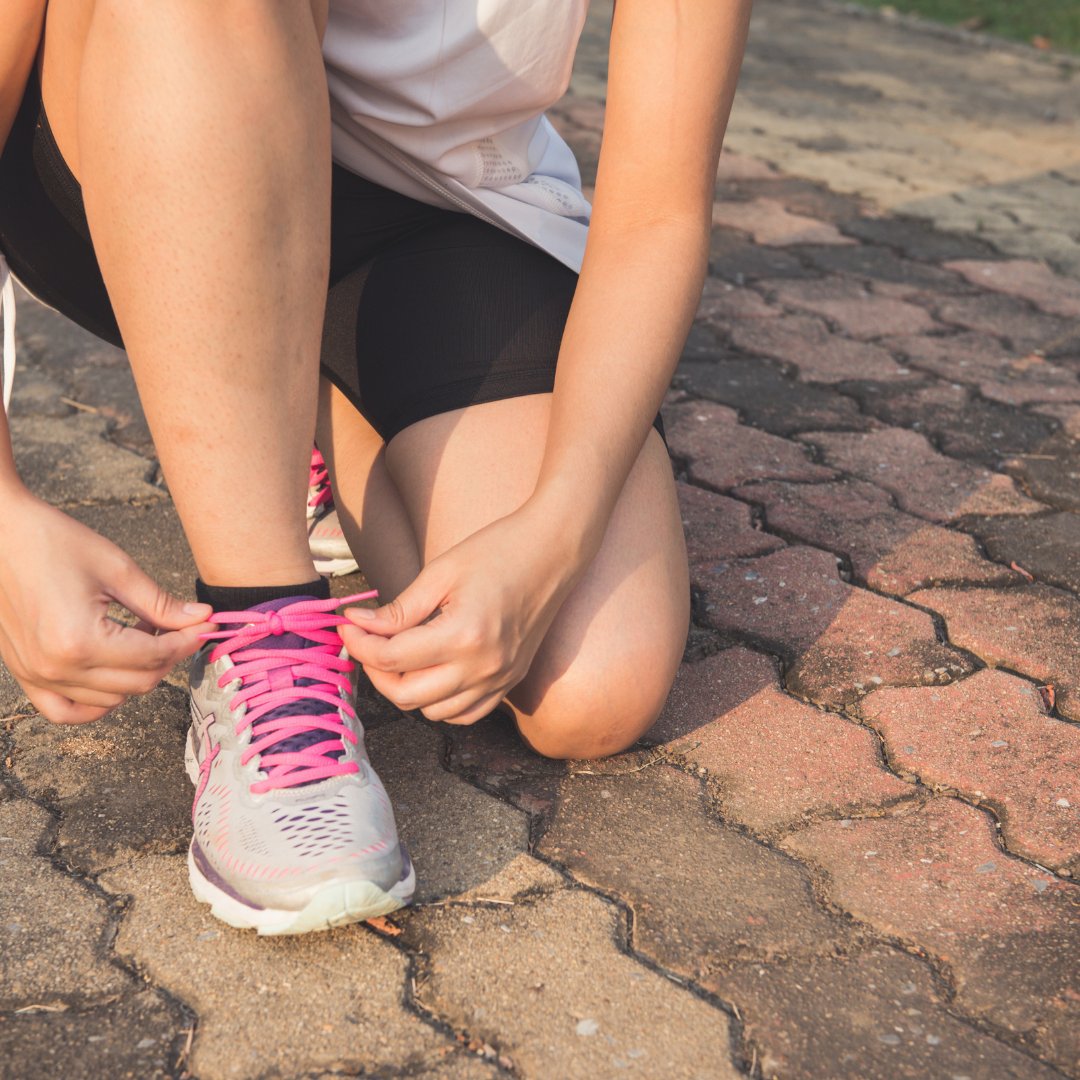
x=336, y=567
x=338, y=904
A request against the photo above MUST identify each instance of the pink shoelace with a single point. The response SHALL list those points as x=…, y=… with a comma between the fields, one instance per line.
x=269, y=678
x=319, y=481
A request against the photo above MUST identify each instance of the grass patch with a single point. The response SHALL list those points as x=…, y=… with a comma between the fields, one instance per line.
x=1046, y=23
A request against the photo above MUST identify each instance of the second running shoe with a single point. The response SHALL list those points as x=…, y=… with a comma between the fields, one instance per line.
x=329, y=548
x=293, y=830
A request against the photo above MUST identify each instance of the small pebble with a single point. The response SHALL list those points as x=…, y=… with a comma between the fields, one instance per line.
x=999, y=742
x=933, y=1040
x=1040, y=885
x=145, y=1044
x=986, y=868
x=586, y=1027
x=889, y=1040
x=1063, y=803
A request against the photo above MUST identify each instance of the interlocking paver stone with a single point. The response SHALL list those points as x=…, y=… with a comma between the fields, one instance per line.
x=820, y=355
x=769, y=223
x=1011, y=376
x=841, y=641
x=916, y=238
x=923, y=482
x=736, y=257
x=1033, y=281
x=876, y=1015
x=882, y=267
x=768, y=399
x=772, y=760
x=935, y=877
x=989, y=737
x=723, y=453
x=891, y=551
x=53, y=928
x=119, y=784
x=960, y=423
x=71, y=460
x=561, y=997
x=268, y=1006
x=464, y=842
x=1034, y=630
x=721, y=301
x=1006, y=316
x=704, y=896
x=850, y=305
x=717, y=527
x=139, y=1037
x=1052, y=472
x=1047, y=546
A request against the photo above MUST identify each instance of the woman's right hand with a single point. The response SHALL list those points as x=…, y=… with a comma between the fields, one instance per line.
x=57, y=579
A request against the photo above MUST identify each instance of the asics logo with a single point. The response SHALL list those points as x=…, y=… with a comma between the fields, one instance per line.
x=200, y=723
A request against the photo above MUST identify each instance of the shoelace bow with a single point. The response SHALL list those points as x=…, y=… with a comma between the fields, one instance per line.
x=268, y=681
x=319, y=482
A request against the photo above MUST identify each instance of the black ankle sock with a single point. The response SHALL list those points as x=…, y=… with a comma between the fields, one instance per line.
x=227, y=598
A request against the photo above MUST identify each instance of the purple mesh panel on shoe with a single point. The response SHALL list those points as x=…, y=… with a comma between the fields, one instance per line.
x=313, y=707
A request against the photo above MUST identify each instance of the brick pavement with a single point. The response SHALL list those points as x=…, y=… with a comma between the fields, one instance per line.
x=848, y=847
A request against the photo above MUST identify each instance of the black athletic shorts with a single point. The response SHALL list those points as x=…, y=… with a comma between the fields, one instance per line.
x=429, y=309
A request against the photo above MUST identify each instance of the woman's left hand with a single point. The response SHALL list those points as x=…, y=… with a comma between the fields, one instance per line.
x=465, y=632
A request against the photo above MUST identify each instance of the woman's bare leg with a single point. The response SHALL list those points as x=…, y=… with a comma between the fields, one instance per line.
x=200, y=133
x=605, y=668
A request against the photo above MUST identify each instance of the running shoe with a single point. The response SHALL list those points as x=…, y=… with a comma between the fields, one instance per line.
x=293, y=830
x=329, y=548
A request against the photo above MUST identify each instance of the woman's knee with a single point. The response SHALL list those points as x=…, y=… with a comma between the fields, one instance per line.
x=596, y=713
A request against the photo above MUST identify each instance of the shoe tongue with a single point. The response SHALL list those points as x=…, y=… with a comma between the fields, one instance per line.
x=286, y=640
x=301, y=707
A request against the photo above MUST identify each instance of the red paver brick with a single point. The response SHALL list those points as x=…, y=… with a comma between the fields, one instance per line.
x=893, y=552
x=1008, y=376
x=1005, y=316
x=935, y=877
x=724, y=453
x=722, y=301
x=1034, y=630
x=819, y=355
x=1029, y=280
x=842, y=641
x=772, y=760
x=769, y=223
x=851, y=305
x=989, y=737
x=924, y=482
x=720, y=528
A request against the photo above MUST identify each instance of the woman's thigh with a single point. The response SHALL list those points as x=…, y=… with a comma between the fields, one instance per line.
x=601, y=676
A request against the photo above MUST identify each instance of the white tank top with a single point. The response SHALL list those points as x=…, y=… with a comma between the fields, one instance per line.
x=443, y=100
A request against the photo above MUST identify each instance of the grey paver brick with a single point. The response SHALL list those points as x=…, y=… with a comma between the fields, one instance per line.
x=935, y=877
x=989, y=737
x=1051, y=471
x=771, y=760
x=922, y=481
x=139, y=1037
x=768, y=399
x=465, y=842
x=881, y=266
x=269, y=1006
x=53, y=928
x=562, y=998
x=119, y=783
x=70, y=460
x=892, y=552
x=876, y=1015
x=961, y=424
x=1047, y=546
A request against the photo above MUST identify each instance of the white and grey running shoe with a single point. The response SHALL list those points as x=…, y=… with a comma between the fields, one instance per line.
x=329, y=548
x=293, y=830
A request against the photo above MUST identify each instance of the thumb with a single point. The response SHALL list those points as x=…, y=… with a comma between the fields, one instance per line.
x=412, y=606
x=142, y=596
